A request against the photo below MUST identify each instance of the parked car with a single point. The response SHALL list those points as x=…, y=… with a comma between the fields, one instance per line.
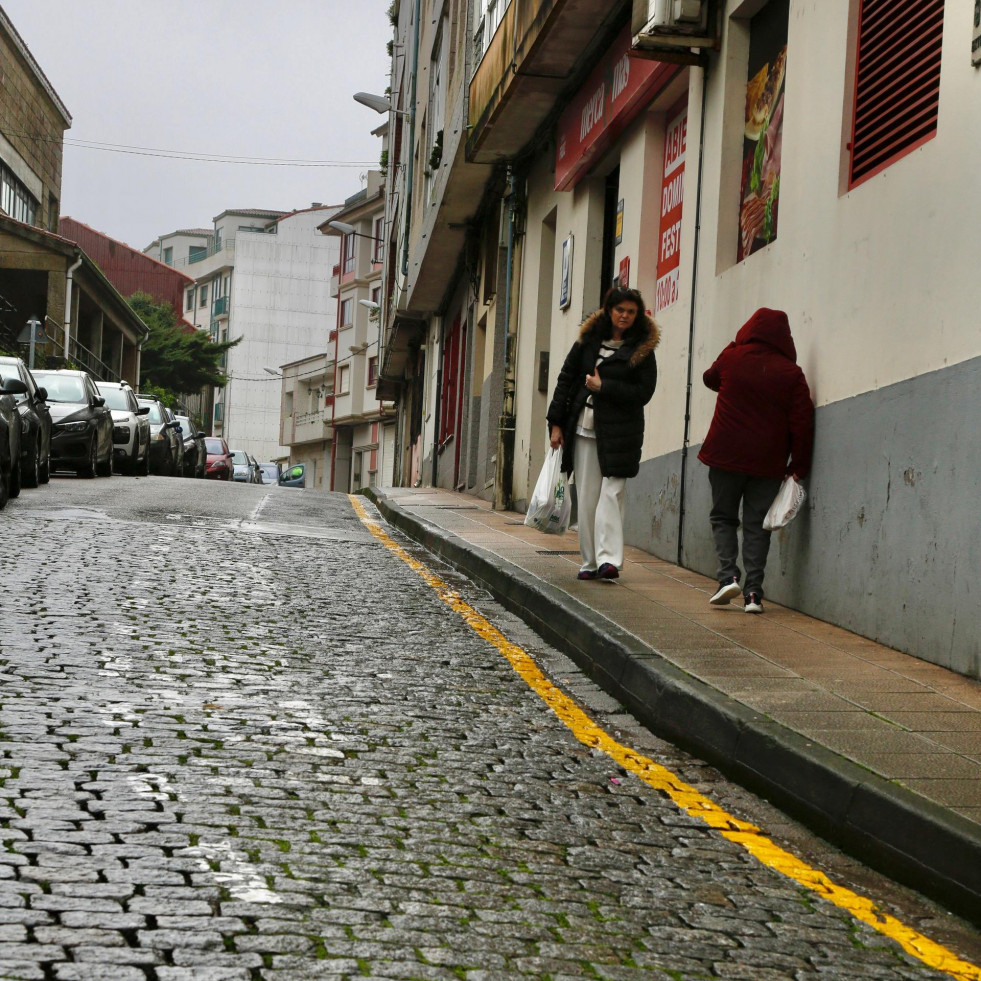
x=295, y=476
x=178, y=442
x=130, y=427
x=219, y=465
x=81, y=424
x=195, y=452
x=35, y=417
x=270, y=472
x=164, y=437
x=10, y=429
x=245, y=467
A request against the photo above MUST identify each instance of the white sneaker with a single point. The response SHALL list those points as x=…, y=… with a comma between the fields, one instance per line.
x=727, y=591
x=754, y=603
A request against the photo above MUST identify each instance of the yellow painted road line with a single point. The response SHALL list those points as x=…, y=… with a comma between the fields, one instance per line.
x=685, y=796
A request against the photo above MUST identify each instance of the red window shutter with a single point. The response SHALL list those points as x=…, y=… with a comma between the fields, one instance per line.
x=897, y=84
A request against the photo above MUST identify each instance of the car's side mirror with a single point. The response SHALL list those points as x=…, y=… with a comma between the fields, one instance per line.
x=200, y=435
x=13, y=386
x=98, y=401
x=41, y=395
x=143, y=410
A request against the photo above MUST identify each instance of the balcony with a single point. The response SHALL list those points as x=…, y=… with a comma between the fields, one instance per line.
x=220, y=307
x=531, y=59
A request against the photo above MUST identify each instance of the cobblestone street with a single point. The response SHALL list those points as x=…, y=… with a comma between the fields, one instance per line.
x=241, y=740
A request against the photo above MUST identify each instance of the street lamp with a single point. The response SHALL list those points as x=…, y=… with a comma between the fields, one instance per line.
x=345, y=229
x=272, y=371
x=370, y=305
x=379, y=103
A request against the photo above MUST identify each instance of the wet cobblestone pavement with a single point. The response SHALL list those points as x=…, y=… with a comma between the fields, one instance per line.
x=276, y=755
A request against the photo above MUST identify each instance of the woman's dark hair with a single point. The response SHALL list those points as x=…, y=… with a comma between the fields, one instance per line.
x=615, y=296
x=620, y=294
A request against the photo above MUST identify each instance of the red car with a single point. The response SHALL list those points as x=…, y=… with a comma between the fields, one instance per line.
x=219, y=465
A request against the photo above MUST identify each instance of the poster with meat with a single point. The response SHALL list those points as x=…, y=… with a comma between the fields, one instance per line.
x=759, y=193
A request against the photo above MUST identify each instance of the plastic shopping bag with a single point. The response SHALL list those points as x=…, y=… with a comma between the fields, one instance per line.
x=789, y=500
x=549, y=509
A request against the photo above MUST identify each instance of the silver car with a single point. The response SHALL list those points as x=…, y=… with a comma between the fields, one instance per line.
x=130, y=427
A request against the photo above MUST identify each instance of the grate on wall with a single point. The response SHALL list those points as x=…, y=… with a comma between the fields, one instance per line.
x=551, y=551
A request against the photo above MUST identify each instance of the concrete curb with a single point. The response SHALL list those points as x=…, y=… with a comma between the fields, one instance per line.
x=890, y=828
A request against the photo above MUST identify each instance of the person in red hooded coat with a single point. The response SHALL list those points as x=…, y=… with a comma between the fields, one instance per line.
x=762, y=431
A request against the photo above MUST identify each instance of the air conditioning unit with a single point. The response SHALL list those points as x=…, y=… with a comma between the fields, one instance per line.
x=671, y=24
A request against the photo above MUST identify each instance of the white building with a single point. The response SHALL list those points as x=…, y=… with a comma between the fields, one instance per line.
x=264, y=277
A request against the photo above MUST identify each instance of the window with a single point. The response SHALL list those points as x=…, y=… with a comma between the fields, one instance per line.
x=347, y=312
x=195, y=253
x=348, y=254
x=897, y=82
x=376, y=295
x=216, y=288
x=487, y=18
x=203, y=295
x=189, y=302
x=436, y=111
x=218, y=411
x=15, y=200
x=169, y=255
x=343, y=379
x=372, y=371
x=378, y=247
x=288, y=404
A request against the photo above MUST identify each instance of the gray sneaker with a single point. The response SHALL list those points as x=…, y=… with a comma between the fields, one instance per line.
x=727, y=590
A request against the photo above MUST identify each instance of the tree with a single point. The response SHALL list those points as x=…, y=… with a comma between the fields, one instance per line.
x=173, y=357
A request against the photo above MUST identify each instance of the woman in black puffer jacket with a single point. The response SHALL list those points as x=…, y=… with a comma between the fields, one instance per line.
x=597, y=417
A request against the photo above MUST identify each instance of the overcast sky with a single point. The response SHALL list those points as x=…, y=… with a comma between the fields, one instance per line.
x=247, y=78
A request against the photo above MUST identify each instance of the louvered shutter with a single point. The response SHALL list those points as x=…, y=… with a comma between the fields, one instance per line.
x=897, y=86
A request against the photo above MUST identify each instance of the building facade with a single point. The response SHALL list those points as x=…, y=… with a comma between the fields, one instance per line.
x=362, y=423
x=264, y=277
x=45, y=277
x=754, y=153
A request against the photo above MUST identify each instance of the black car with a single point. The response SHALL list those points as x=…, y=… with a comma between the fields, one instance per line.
x=10, y=429
x=35, y=450
x=81, y=424
x=165, y=438
x=195, y=450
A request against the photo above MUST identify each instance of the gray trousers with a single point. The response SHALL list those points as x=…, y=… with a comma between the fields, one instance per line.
x=756, y=495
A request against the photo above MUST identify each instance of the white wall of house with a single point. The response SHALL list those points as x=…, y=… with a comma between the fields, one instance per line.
x=282, y=309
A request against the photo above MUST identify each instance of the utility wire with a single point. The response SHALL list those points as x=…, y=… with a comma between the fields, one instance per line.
x=191, y=155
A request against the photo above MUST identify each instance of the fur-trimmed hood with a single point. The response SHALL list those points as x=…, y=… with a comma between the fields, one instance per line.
x=644, y=334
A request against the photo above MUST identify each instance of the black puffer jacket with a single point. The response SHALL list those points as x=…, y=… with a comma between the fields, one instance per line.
x=629, y=377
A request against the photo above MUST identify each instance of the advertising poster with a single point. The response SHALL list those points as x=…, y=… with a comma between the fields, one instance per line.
x=672, y=200
x=565, y=275
x=759, y=194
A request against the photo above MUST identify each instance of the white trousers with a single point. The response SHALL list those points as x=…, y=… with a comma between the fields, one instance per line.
x=600, y=503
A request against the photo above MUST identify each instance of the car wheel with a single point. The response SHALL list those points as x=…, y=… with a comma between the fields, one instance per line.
x=13, y=487
x=44, y=471
x=32, y=476
x=92, y=464
x=106, y=468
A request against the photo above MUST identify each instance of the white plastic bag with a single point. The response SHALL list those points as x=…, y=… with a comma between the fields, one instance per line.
x=549, y=509
x=789, y=500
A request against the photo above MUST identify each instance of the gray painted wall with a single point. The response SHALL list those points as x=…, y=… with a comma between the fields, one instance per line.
x=888, y=543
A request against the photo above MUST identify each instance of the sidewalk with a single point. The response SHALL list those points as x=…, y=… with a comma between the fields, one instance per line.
x=877, y=751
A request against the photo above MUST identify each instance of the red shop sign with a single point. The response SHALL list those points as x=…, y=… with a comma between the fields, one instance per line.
x=618, y=88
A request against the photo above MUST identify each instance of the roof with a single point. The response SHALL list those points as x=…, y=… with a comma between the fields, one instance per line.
x=143, y=257
x=304, y=211
x=25, y=53
x=69, y=249
x=251, y=213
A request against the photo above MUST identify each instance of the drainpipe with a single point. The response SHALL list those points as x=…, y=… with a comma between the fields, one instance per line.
x=68, y=301
x=691, y=323
x=412, y=138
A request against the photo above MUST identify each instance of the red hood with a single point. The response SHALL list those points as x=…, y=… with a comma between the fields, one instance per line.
x=770, y=327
